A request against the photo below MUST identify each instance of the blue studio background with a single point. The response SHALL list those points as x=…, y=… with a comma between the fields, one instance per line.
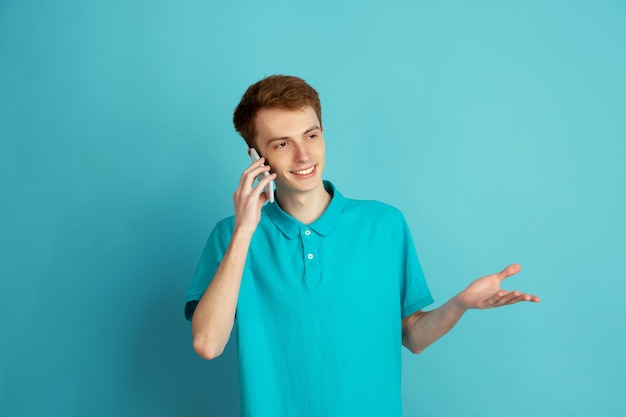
x=496, y=127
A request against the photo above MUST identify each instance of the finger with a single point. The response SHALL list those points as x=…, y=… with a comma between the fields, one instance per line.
x=510, y=298
x=517, y=297
x=253, y=171
x=262, y=199
x=265, y=180
x=245, y=190
x=509, y=271
x=525, y=297
x=254, y=166
x=494, y=300
x=262, y=183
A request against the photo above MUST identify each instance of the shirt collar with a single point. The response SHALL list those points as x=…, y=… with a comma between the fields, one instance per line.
x=324, y=225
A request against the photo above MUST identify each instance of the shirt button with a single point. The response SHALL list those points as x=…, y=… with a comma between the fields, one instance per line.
x=310, y=256
x=307, y=232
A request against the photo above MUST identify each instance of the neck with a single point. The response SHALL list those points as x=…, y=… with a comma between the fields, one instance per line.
x=304, y=207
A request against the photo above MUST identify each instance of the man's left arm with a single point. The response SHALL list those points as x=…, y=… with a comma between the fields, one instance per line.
x=421, y=329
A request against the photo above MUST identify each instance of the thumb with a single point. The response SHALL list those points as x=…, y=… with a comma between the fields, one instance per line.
x=509, y=271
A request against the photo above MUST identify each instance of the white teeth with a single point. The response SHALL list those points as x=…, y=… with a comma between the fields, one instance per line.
x=305, y=171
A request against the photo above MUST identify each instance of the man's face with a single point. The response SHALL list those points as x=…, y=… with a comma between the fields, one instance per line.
x=292, y=143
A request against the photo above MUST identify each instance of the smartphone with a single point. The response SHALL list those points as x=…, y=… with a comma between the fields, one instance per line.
x=269, y=188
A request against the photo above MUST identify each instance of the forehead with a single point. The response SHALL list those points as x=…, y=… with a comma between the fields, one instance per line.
x=274, y=122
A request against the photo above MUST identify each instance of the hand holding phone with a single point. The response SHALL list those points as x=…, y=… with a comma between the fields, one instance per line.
x=269, y=188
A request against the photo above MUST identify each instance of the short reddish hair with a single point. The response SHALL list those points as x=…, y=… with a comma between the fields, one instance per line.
x=276, y=91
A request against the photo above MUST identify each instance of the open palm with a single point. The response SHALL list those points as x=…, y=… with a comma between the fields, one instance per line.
x=486, y=292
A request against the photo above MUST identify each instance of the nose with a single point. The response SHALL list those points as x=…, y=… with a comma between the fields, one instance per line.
x=302, y=152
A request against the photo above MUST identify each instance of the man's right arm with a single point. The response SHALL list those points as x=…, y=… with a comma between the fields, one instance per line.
x=214, y=315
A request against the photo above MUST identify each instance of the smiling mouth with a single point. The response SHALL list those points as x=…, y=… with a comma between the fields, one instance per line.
x=305, y=171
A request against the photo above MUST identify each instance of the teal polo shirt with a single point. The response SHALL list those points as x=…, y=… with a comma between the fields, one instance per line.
x=320, y=308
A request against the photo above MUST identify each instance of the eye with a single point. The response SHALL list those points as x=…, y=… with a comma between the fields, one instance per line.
x=312, y=136
x=281, y=144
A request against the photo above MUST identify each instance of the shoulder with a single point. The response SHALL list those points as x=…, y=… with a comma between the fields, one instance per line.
x=373, y=208
x=351, y=206
x=224, y=227
x=372, y=216
x=226, y=223
x=379, y=225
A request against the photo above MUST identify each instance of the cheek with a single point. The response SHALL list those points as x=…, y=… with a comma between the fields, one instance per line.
x=322, y=150
x=274, y=164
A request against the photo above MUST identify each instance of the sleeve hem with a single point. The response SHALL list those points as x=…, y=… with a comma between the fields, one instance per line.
x=424, y=302
x=190, y=308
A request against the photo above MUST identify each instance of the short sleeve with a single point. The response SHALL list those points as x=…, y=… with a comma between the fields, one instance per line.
x=415, y=293
x=207, y=266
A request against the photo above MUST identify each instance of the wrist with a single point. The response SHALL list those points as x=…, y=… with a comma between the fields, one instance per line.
x=243, y=232
x=458, y=304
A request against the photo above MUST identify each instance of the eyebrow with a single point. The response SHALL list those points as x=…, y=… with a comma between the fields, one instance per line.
x=309, y=130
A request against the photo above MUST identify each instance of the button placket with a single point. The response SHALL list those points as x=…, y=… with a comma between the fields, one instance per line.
x=310, y=254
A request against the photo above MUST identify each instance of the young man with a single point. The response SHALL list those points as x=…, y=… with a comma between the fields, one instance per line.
x=324, y=288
